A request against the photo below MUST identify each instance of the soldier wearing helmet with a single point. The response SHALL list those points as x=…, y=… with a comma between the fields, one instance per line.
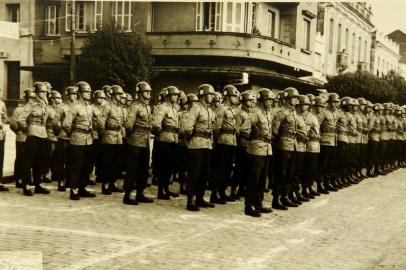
x=185, y=106
x=49, y=86
x=258, y=130
x=192, y=99
x=198, y=131
x=364, y=130
x=248, y=101
x=165, y=127
x=33, y=121
x=21, y=136
x=138, y=126
x=53, y=129
x=354, y=140
x=328, y=142
x=374, y=127
x=217, y=100
x=60, y=153
x=225, y=139
x=78, y=123
x=130, y=100
x=285, y=131
x=112, y=140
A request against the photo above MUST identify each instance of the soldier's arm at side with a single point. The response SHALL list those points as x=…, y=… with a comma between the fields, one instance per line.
x=132, y=116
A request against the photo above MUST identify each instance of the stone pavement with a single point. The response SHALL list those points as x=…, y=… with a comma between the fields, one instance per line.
x=361, y=227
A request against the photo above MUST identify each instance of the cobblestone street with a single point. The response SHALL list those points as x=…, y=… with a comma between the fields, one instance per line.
x=361, y=227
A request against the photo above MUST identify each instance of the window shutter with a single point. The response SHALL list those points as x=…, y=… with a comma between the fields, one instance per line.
x=68, y=18
x=259, y=17
x=218, y=13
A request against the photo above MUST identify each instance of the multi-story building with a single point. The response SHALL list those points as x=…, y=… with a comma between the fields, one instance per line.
x=347, y=30
x=221, y=42
x=400, y=38
x=53, y=34
x=385, y=55
x=16, y=29
x=256, y=44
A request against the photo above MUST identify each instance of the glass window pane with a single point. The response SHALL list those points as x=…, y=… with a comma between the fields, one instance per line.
x=229, y=13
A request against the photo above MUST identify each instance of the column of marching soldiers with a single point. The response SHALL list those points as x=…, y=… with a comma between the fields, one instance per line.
x=298, y=146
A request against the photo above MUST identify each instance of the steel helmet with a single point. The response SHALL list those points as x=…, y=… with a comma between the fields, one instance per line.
x=217, y=97
x=48, y=85
x=310, y=97
x=107, y=89
x=172, y=90
x=40, y=87
x=333, y=97
x=265, y=94
x=143, y=87
x=290, y=92
x=230, y=91
x=71, y=90
x=362, y=101
x=83, y=87
x=248, y=95
x=280, y=96
x=319, y=101
x=355, y=102
x=55, y=94
x=29, y=93
x=205, y=89
x=369, y=104
x=192, y=98
x=117, y=90
x=346, y=101
x=99, y=94
x=303, y=100
x=162, y=94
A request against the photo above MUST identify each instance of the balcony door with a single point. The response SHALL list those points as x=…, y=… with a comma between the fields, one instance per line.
x=220, y=16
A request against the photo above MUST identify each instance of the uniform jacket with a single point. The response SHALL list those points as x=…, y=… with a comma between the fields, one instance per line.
x=242, y=117
x=384, y=134
x=259, y=127
x=139, y=123
x=52, y=112
x=3, y=120
x=18, y=112
x=342, y=126
x=225, y=125
x=97, y=121
x=200, y=123
x=328, y=123
x=60, y=116
x=34, y=118
x=78, y=123
x=285, y=129
x=113, y=123
x=166, y=119
x=374, y=127
x=313, y=126
x=352, y=128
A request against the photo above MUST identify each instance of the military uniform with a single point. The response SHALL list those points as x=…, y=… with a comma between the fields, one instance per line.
x=21, y=136
x=111, y=141
x=33, y=121
x=374, y=127
x=138, y=125
x=79, y=125
x=166, y=124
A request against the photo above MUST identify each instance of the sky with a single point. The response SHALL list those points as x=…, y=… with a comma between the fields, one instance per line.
x=389, y=15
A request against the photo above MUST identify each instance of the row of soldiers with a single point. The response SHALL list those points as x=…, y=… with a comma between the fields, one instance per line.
x=248, y=141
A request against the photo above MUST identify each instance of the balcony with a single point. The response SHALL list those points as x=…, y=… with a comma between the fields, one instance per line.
x=232, y=45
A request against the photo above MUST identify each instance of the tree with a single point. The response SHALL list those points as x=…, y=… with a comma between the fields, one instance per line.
x=111, y=56
x=363, y=84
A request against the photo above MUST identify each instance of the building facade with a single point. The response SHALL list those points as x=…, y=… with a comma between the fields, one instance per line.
x=385, y=55
x=271, y=44
x=346, y=28
x=16, y=40
x=53, y=34
x=400, y=38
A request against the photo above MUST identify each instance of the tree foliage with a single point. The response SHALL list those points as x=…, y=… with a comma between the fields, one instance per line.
x=112, y=56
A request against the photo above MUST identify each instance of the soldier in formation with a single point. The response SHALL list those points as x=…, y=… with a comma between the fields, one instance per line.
x=234, y=144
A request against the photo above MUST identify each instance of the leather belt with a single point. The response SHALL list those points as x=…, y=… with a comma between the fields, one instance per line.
x=228, y=131
x=113, y=129
x=202, y=134
x=170, y=129
x=81, y=130
x=141, y=128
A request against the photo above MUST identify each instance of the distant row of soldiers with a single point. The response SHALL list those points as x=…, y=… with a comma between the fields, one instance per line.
x=250, y=141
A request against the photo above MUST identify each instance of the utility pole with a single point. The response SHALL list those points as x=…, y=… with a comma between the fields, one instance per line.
x=72, y=67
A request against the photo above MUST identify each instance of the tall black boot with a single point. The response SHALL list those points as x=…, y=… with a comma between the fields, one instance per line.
x=191, y=206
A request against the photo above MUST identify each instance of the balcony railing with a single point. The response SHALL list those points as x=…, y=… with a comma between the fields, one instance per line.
x=230, y=44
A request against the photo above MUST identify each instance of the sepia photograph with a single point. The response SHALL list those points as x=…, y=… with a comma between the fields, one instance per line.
x=202, y=135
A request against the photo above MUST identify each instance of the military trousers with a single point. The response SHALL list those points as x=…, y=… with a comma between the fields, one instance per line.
x=95, y=162
x=80, y=157
x=165, y=161
x=372, y=156
x=326, y=163
x=285, y=172
x=382, y=152
x=222, y=165
x=18, y=163
x=181, y=167
x=110, y=162
x=199, y=161
x=60, y=160
x=298, y=174
x=137, y=169
x=342, y=159
x=34, y=159
x=241, y=169
x=310, y=164
x=257, y=171
x=2, y=143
